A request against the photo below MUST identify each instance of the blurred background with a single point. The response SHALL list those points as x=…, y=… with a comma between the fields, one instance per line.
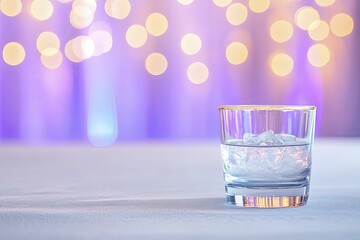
x=118, y=70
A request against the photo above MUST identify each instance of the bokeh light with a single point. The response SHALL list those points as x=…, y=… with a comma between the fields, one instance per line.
x=318, y=55
x=341, y=24
x=81, y=20
x=236, y=53
x=307, y=17
x=185, y=2
x=257, y=39
x=136, y=36
x=41, y=9
x=81, y=17
x=10, y=8
x=69, y=52
x=191, y=44
x=48, y=43
x=83, y=47
x=103, y=42
x=100, y=33
x=281, y=31
x=82, y=13
x=325, y=3
x=259, y=6
x=53, y=61
x=156, y=64
x=282, y=64
x=13, y=53
x=236, y=14
x=222, y=3
x=156, y=24
x=198, y=73
x=320, y=31
x=91, y=4
x=99, y=26
x=119, y=9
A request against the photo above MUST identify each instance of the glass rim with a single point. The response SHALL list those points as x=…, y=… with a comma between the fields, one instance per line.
x=267, y=107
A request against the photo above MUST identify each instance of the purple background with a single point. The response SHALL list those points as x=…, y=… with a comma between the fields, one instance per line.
x=42, y=105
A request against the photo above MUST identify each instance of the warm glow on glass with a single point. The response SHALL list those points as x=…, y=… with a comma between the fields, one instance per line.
x=282, y=64
x=136, y=36
x=318, y=55
x=307, y=17
x=156, y=64
x=281, y=31
x=325, y=3
x=222, y=3
x=10, y=8
x=156, y=24
x=320, y=32
x=13, y=53
x=119, y=9
x=48, y=43
x=191, y=44
x=259, y=6
x=236, y=53
x=198, y=73
x=41, y=9
x=236, y=13
x=185, y=2
x=341, y=24
x=52, y=62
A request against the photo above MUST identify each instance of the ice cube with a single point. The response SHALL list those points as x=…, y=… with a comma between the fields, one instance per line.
x=247, y=136
x=278, y=141
x=296, y=160
x=267, y=136
x=234, y=158
x=301, y=155
x=273, y=142
x=256, y=164
x=252, y=140
x=274, y=157
x=286, y=138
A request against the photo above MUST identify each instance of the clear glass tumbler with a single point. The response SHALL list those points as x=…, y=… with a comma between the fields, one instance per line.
x=266, y=152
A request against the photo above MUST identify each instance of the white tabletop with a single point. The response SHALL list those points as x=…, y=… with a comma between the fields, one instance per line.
x=164, y=190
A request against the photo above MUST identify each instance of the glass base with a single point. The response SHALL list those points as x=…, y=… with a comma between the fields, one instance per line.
x=260, y=197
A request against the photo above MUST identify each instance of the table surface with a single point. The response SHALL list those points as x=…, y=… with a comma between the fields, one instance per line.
x=159, y=190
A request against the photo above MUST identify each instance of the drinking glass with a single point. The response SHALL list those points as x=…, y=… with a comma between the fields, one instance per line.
x=266, y=152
